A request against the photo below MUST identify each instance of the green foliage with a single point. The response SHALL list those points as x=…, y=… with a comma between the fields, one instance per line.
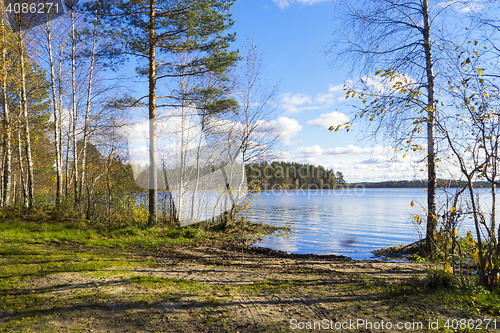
x=416, y=258
x=438, y=279
x=291, y=175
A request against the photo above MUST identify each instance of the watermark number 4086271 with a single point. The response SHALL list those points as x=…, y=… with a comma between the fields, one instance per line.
x=27, y=14
x=27, y=7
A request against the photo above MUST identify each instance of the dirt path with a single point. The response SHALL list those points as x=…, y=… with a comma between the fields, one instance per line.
x=229, y=289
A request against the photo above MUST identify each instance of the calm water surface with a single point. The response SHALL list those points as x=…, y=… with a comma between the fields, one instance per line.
x=345, y=222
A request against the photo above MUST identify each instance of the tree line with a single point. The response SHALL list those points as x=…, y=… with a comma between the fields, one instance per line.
x=292, y=175
x=420, y=183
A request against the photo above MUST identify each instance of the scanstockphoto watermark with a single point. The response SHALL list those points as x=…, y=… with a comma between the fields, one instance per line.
x=364, y=324
x=311, y=191
x=283, y=178
x=205, y=179
x=356, y=324
x=292, y=172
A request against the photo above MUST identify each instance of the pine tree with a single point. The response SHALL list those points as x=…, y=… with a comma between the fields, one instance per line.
x=155, y=31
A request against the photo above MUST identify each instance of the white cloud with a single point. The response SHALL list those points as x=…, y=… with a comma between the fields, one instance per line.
x=283, y=156
x=294, y=103
x=286, y=127
x=375, y=160
x=471, y=8
x=309, y=160
x=462, y=7
x=331, y=96
x=329, y=119
x=285, y=3
x=354, y=150
x=384, y=84
x=315, y=150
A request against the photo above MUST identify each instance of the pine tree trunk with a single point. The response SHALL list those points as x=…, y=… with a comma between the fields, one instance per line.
x=153, y=191
x=431, y=169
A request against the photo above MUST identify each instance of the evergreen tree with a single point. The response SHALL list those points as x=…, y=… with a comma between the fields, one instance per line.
x=156, y=32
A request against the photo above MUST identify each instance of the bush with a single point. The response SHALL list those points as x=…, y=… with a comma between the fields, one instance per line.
x=439, y=279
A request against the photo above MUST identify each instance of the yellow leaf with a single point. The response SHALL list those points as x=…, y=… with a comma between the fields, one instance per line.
x=412, y=204
x=475, y=256
x=480, y=72
x=416, y=217
x=452, y=209
x=378, y=72
x=456, y=232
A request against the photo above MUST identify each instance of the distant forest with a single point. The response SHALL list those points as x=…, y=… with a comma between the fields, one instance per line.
x=291, y=175
x=441, y=183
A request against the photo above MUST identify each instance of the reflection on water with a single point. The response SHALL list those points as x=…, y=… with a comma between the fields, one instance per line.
x=351, y=223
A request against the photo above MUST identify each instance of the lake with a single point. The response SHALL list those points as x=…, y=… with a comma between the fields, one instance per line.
x=345, y=222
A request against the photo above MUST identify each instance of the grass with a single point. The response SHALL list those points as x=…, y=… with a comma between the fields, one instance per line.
x=17, y=228
x=30, y=232
x=439, y=286
x=52, y=269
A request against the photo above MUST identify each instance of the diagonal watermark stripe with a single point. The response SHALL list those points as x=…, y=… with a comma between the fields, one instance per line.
x=205, y=178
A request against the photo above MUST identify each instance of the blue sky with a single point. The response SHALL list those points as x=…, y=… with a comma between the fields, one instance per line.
x=294, y=36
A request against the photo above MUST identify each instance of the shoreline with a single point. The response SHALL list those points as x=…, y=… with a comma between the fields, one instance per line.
x=215, y=284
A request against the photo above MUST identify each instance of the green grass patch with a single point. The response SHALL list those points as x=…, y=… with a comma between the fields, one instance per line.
x=39, y=232
x=17, y=228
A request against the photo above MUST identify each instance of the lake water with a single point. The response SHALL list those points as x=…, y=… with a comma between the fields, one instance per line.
x=345, y=222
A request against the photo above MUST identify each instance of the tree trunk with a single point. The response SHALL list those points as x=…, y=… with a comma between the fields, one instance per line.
x=494, y=191
x=7, y=126
x=73, y=100
x=57, y=138
x=153, y=191
x=21, y=168
x=87, y=106
x=24, y=110
x=431, y=157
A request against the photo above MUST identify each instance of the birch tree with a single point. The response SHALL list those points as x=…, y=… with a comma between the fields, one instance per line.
x=393, y=43
x=6, y=67
x=48, y=38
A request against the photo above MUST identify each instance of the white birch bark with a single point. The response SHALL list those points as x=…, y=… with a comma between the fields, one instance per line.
x=73, y=102
x=7, y=126
x=25, y=122
x=57, y=125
